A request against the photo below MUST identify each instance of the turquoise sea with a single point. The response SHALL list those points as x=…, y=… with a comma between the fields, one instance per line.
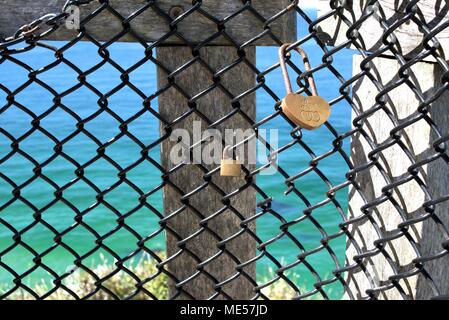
x=40, y=194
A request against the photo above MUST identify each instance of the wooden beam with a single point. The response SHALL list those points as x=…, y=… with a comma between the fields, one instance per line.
x=333, y=30
x=151, y=26
x=418, y=138
x=184, y=220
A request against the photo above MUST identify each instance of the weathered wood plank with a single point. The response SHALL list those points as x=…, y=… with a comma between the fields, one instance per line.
x=151, y=26
x=333, y=30
x=418, y=139
x=214, y=105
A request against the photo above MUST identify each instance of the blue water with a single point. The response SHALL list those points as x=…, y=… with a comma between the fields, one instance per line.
x=80, y=196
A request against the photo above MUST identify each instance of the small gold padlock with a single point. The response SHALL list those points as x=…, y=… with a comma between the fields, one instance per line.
x=309, y=112
x=230, y=167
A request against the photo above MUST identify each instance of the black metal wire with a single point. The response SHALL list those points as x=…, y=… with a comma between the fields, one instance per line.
x=31, y=37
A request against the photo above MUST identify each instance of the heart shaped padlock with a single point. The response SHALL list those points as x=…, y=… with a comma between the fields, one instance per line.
x=309, y=112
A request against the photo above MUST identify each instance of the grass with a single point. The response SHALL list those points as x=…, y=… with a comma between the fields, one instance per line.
x=122, y=284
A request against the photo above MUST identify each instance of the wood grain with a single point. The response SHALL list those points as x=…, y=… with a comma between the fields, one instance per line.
x=418, y=139
x=333, y=31
x=214, y=105
x=150, y=26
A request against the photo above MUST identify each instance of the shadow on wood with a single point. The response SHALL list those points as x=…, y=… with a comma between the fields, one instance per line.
x=400, y=247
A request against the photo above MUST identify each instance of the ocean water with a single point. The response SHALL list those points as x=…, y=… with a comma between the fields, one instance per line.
x=39, y=194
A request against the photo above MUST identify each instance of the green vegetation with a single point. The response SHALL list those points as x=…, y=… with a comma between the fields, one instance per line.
x=123, y=285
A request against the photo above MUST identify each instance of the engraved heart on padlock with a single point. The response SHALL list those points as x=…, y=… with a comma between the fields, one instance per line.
x=308, y=112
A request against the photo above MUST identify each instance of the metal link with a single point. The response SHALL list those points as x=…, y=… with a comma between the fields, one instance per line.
x=49, y=21
x=32, y=35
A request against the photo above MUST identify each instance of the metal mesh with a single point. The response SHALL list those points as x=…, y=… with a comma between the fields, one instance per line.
x=20, y=147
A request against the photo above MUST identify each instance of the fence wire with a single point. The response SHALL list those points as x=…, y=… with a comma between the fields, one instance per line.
x=340, y=271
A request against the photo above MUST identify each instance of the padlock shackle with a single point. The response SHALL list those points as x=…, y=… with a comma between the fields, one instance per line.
x=226, y=151
x=305, y=59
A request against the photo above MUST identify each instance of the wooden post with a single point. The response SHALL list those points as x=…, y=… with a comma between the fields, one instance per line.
x=333, y=30
x=214, y=105
x=418, y=139
x=150, y=25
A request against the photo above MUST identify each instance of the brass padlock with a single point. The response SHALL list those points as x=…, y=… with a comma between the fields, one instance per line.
x=230, y=167
x=309, y=112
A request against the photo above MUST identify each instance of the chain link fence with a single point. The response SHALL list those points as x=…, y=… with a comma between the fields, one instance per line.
x=82, y=181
